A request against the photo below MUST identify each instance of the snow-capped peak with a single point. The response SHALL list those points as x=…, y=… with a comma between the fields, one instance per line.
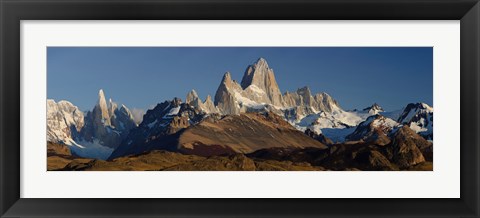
x=379, y=121
x=374, y=129
x=412, y=110
x=374, y=109
x=419, y=117
x=426, y=107
x=64, y=121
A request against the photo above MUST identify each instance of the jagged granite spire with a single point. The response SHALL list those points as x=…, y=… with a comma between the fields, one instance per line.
x=112, y=106
x=193, y=100
x=191, y=96
x=306, y=95
x=107, y=123
x=261, y=75
x=325, y=102
x=209, y=106
x=225, y=98
x=100, y=111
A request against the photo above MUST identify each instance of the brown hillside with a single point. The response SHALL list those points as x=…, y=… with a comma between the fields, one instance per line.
x=230, y=134
x=174, y=161
x=243, y=133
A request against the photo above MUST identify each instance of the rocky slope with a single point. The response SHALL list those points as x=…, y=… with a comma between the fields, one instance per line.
x=243, y=133
x=174, y=161
x=374, y=130
x=319, y=137
x=59, y=156
x=217, y=135
x=400, y=154
x=163, y=120
x=56, y=149
x=408, y=148
x=406, y=151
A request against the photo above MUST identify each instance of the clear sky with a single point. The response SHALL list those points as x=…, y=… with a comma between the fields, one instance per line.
x=142, y=77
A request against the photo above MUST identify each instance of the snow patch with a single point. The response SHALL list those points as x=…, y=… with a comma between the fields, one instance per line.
x=152, y=124
x=92, y=150
x=386, y=122
x=248, y=102
x=71, y=142
x=174, y=111
x=256, y=90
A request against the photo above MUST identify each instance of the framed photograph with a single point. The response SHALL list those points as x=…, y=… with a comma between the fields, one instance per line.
x=239, y=108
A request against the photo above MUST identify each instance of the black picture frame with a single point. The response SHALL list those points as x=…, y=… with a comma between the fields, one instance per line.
x=13, y=11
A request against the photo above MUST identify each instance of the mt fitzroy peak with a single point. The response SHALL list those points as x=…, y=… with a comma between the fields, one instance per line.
x=260, y=75
x=259, y=90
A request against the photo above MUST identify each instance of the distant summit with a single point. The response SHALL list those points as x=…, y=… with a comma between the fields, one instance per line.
x=207, y=106
x=374, y=109
x=419, y=117
x=374, y=130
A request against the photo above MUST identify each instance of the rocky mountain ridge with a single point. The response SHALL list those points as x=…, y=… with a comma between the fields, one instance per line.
x=406, y=151
x=243, y=118
x=259, y=90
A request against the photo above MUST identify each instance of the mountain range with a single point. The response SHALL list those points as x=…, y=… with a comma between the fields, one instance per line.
x=243, y=118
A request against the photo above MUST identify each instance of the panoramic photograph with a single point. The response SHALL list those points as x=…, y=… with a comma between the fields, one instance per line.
x=239, y=109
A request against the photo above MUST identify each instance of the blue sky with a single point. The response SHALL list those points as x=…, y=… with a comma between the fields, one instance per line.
x=141, y=77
